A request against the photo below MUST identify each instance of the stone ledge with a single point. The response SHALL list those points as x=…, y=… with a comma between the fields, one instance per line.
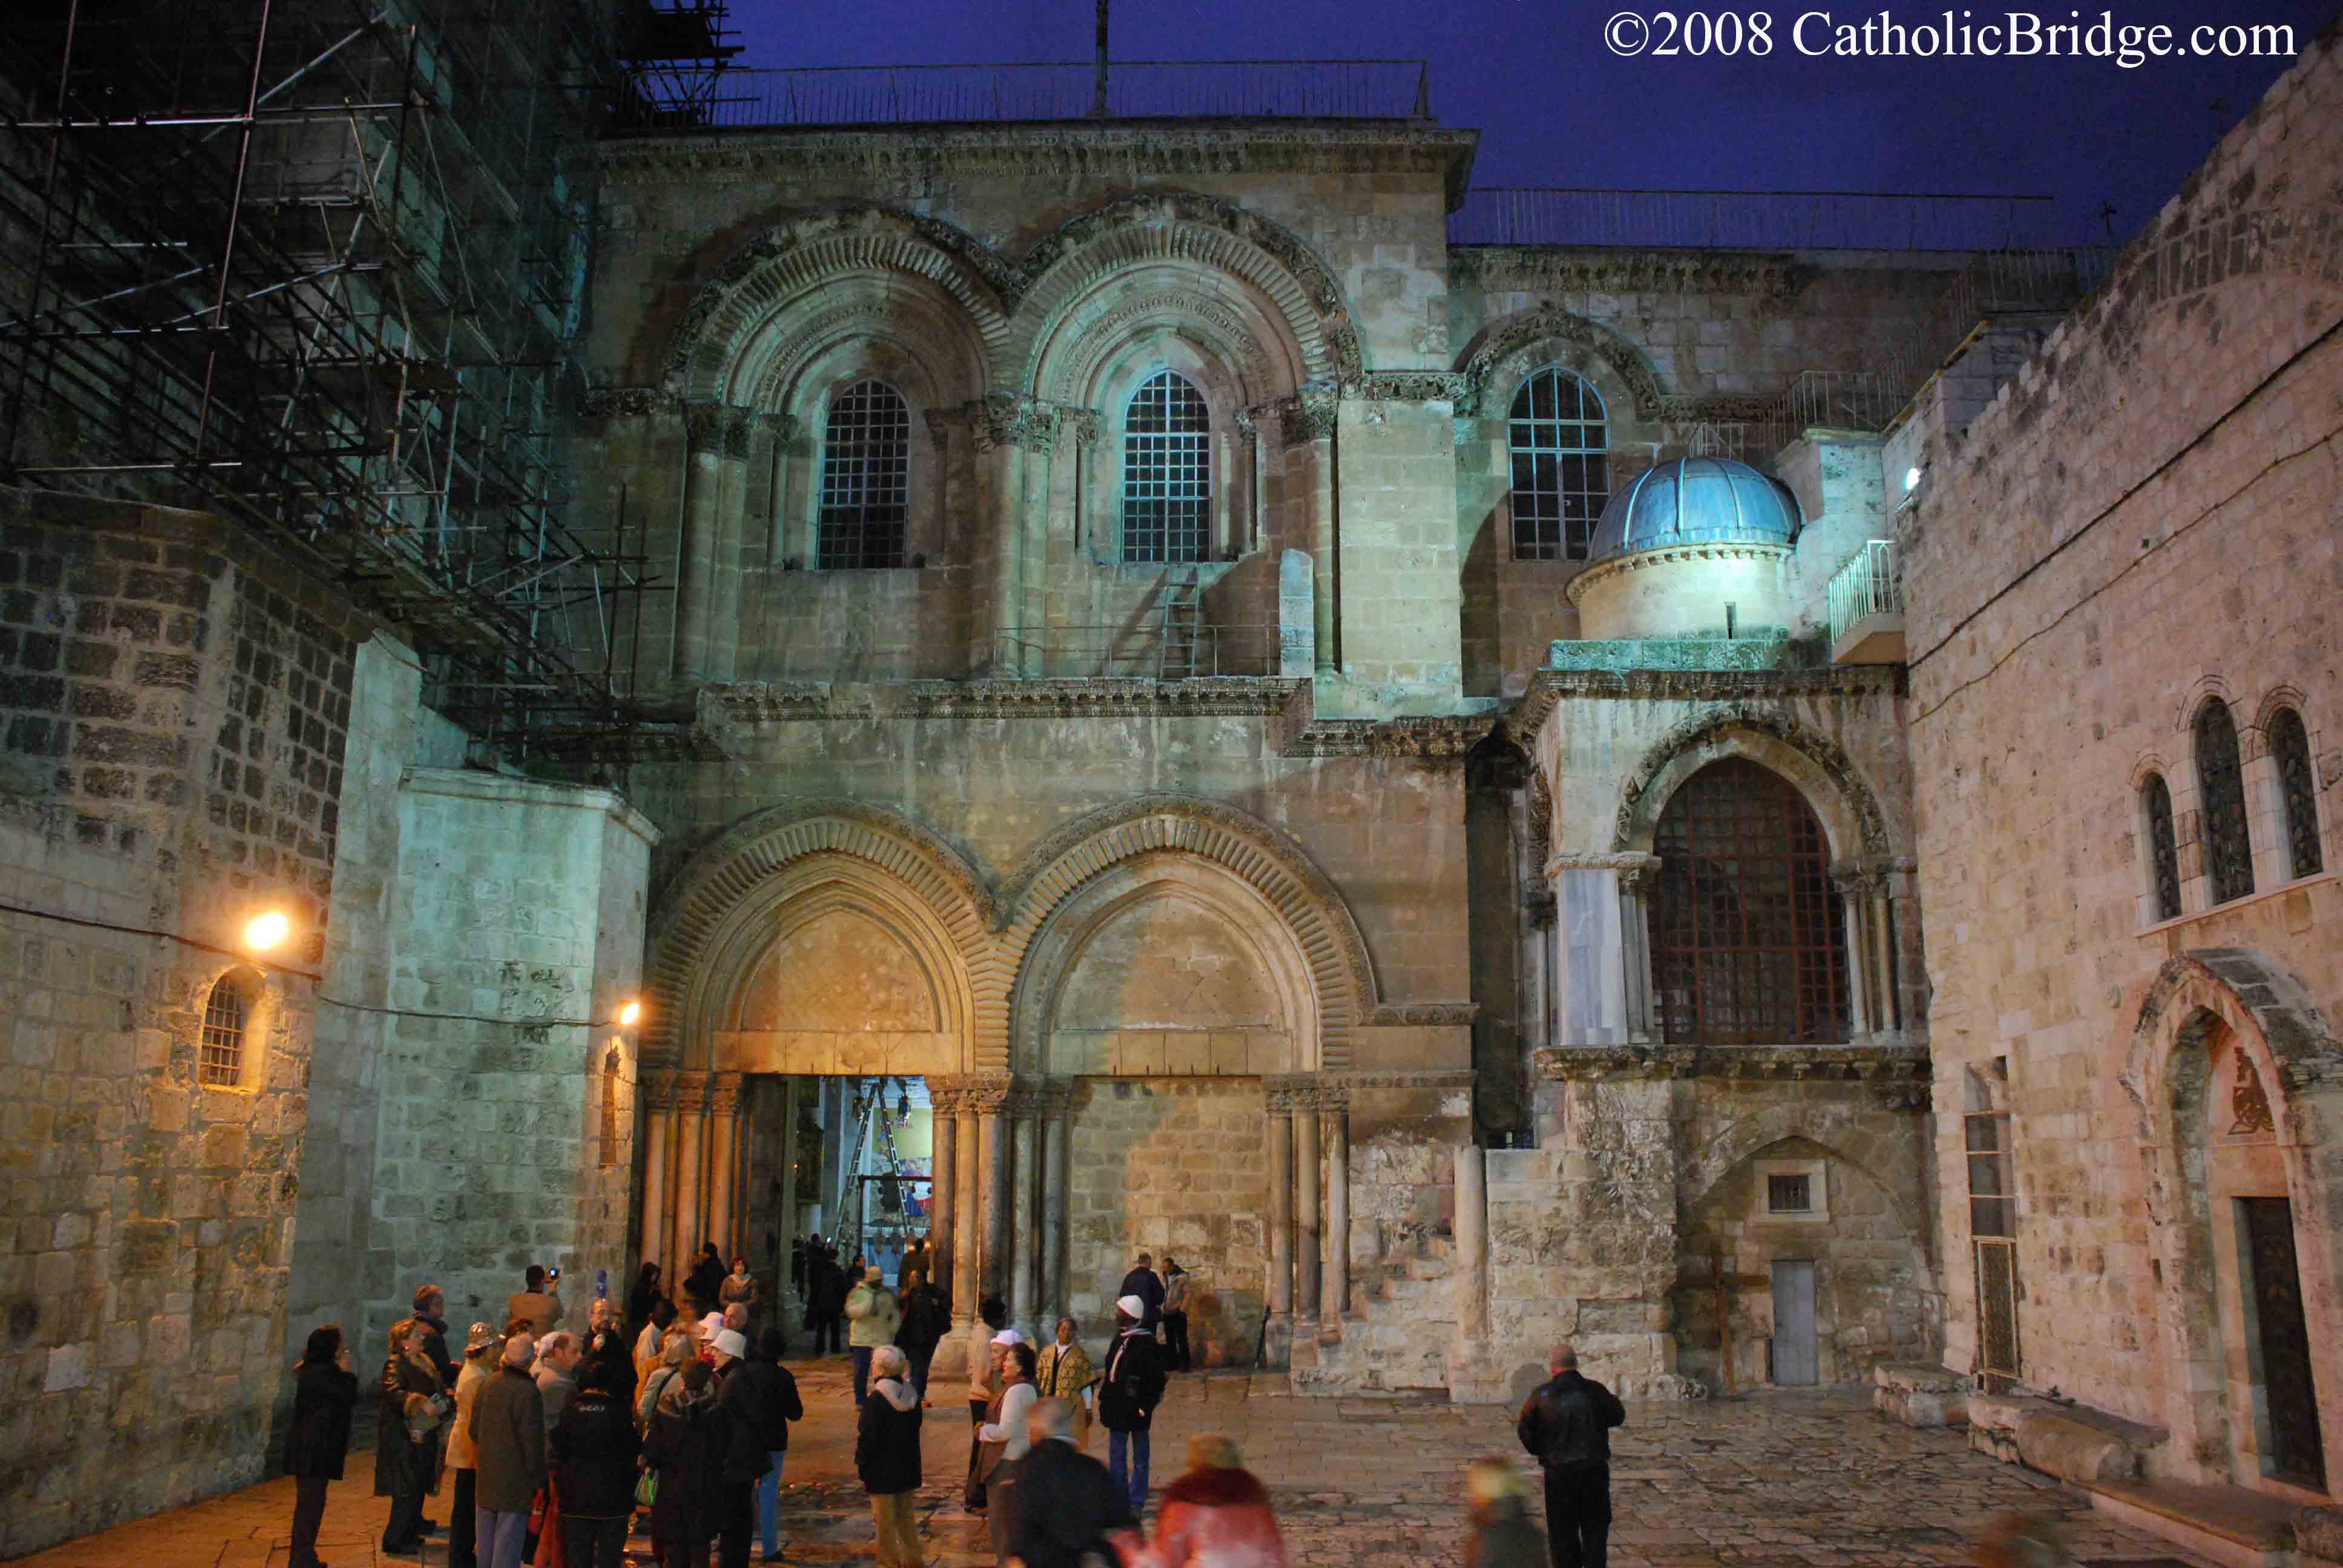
x=2228, y=1524
x=1918, y=1395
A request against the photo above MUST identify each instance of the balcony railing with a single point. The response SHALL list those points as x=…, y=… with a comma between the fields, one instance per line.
x=1750, y=220
x=1032, y=90
x=1867, y=606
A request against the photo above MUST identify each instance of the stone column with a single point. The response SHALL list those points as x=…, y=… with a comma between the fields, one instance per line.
x=707, y=579
x=1057, y=1168
x=1306, y=1178
x=1306, y=423
x=658, y=1133
x=691, y=1093
x=1591, y=989
x=1854, y=885
x=1636, y=880
x=1334, y=1131
x=1281, y=1200
x=1472, y=1250
x=723, y=1161
x=968, y=1211
x=993, y=1196
x=1024, y=1232
x=943, y=1195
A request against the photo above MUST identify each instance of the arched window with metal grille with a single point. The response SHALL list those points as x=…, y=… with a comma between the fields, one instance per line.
x=220, y=1052
x=2297, y=792
x=2221, y=804
x=866, y=466
x=1167, y=473
x=1561, y=449
x=2163, y=848
x=1748, y=935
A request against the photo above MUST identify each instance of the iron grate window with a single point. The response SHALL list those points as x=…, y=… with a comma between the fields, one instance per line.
x=1993, y=1206
x=1562, y=467
x=2163, y=851
x=866, y=465
x=1167, y=473
x=219, y=1056
x=2297, y=791
x=2221, y=792
x=1790, y=1194
x=1748, y=936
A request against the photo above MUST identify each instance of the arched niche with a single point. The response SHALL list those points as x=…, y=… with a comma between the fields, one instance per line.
x=1165, y=964
x=1847, y=806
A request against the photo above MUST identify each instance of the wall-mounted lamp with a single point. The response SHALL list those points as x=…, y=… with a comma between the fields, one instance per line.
x=629, y=1014
x=266, y=931
x=1911, y=480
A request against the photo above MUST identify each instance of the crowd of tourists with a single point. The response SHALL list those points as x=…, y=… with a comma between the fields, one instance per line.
x=679, y=1416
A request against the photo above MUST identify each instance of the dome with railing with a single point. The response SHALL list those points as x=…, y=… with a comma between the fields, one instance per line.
x=1695, y=501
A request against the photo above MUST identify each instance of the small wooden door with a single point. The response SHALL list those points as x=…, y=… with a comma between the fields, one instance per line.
x=1795, y=1361
x=2296, y=1452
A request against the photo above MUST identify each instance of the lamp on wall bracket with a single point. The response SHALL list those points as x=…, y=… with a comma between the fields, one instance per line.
x=266, y=931
x=630, y=1013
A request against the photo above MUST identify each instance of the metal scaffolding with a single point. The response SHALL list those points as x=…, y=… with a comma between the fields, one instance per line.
x=320, y=266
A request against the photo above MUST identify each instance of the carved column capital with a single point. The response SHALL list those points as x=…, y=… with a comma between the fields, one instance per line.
x=718, y=430
x=1331, y=1097
x=781, y=427
x=724, y=1090
x=1308, y=415
x=658, y=1088
x=1010, y=419
x=987, y=1095
x=691, y=1093
x=1057, y=1096
x=1639, y=875
x=604, y=403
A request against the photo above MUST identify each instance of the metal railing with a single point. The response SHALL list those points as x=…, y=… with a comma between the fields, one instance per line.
x=1038, y=90
x=1869, y=584
x=1750, y=220
x=1135, y=651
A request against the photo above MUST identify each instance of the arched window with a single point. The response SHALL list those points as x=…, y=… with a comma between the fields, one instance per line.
x=220, y=1054
x=2163, y=850
x=1748, y=936
x=2297, y=792
x=1167, y=473
x=866, y=462
x=2221, y=804
x=1562, y=467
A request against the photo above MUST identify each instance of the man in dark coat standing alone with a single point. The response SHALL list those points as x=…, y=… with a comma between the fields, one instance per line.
x=1566, y=1425
x=1145, y=1284
x=1128, y=1396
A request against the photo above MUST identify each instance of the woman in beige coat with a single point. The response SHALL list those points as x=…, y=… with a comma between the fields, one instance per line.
x=481, y=1350
x=1065, y=1373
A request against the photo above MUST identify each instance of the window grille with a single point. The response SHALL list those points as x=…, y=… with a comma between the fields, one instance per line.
x=219, y=1056
x=1748, y=936
x=1562, y=467
x=2221, y=792
x=1993, y=1206
x=1789, y=1194
x=1997, y=1285
x=1167, y=473
x=2297, y=791
x=866, y=463
x=2163, y=852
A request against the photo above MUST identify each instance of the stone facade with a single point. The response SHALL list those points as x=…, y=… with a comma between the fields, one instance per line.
x=2140, y=527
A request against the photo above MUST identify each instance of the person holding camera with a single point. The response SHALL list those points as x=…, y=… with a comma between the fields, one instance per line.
x=539, y=1302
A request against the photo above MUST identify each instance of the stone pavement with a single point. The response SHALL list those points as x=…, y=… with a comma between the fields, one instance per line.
x=1765, y=1482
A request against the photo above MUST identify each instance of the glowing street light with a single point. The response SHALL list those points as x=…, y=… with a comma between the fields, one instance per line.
x=629, y=1014
x=266, y=931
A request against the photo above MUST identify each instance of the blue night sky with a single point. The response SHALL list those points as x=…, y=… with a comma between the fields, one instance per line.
x=1557, y=109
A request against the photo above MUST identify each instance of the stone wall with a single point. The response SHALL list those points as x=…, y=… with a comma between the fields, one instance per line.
x=2144, y=521
x=175, y=703
x=1176, y=1166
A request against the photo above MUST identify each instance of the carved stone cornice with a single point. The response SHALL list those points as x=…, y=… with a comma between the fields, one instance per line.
x=782, y=427
x=1445, y=1079
x=1548, y=688
x=1720, y=407
x=604, y=403
x=1421, y=1014
x=1564, y=269
x=724, y=707
x=1440, y=736
x=1406, y=387
x=1901, y=1071
x=1672, y=555
x=920, y=157
x=1331, y=1096
x=1056, y=1096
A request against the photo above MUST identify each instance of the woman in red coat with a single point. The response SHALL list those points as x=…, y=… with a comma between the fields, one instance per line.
x=1217, y=1515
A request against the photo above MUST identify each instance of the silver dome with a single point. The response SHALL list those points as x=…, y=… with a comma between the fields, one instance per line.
x=1697, y=500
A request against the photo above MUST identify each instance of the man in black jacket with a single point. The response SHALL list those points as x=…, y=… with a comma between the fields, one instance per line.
x=1067, y=1503
x=770, y=1396
x=1127, y=1394
x=1145, y=1284
x=1567, y=1425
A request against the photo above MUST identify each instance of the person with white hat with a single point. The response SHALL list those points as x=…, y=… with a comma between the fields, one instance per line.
x=745, y=1458
x=1128, y=1396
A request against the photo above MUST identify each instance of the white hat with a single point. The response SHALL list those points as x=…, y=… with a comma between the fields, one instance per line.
x=711, y=1323
x=1009, y=1337
x=1131, y=1307
x=729, y=1342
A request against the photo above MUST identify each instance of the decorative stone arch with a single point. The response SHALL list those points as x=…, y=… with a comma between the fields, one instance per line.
x=736, y=304
x=2280, y=697
x=716, y=916
x=1237, y=907
x=2204, y=688
x=1752, y=1135
x=2197, y=1000
x=1508, y=351
x=1256, y=353
x=1847, y=808
x=781, y=361
x=1199, y=231
x=1264, y=859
